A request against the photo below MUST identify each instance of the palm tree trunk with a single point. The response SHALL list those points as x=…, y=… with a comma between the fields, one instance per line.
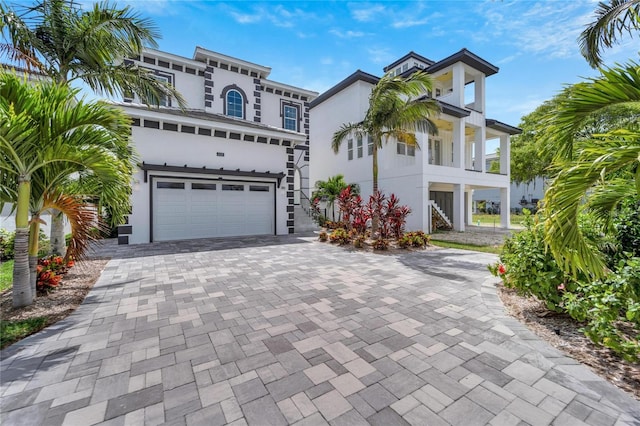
x=376, y=214
x=21, y=283
x=58, y=245
x=34, y=234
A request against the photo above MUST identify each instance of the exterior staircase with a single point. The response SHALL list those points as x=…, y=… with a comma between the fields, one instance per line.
x=439, y=219
x=302, y=221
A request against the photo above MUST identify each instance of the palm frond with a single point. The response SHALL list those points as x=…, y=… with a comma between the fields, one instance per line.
x=614, y=19
x=616, y=86
x=587, y=178
x=343, y=132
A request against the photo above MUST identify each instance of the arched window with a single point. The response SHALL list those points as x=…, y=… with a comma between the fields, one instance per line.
x=235, y=103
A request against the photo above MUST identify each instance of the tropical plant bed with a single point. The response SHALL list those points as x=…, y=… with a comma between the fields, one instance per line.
x=563, y=332
x=50, y=308
x=390, y=246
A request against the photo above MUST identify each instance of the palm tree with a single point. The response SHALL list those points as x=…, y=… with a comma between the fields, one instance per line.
x=612, y=20
x=60, y=39
x=605, y=171
x=398, y=107
x=46, y=135
x=330, y=190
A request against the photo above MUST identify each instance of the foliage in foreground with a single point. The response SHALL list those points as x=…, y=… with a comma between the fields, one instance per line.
x=357, y=216
x=608, y=307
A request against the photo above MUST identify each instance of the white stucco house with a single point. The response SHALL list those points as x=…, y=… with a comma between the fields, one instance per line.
x=437, y=181
x=228, y=165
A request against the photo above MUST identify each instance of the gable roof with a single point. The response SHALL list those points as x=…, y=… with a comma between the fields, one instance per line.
x=411, y=54
x=466, y=57
x=353, y=78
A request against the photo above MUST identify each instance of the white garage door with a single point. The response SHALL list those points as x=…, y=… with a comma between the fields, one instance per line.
x=185, y=209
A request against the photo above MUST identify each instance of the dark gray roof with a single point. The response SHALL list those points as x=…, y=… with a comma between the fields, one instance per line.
x=498, y=125
x=356, y=76
x=467, y=57
x=411, y=54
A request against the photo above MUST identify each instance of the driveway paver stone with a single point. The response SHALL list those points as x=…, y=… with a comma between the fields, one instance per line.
x=287, y=330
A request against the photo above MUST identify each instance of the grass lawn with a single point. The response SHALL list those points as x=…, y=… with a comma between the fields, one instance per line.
x=6, y=274
x=490, y=219
x=462, y=246
x=12, y=331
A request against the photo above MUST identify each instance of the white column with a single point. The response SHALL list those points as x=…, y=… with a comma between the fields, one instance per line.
x=505, y=208
x=458, y=143
x=426, y=215
x=458, y=207
x=469, y=207
x=468, y=154
x=505, y=155
x=458, y=85
x=480, y=149
x=479, y=93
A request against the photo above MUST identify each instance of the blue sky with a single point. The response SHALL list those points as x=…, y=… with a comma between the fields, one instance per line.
x=316, y=44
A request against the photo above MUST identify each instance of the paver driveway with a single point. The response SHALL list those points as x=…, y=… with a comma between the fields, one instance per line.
x=292, y=330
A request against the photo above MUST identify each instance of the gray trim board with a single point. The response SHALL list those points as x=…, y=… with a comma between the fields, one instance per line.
x=353, y=78
x=145, y=167
x=411, y=54
x=466, y=57
x=498, y=125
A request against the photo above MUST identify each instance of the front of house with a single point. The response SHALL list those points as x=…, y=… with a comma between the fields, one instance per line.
x=437, y=180
x=228, y=165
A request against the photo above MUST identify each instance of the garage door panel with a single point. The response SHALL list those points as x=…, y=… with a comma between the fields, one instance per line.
x=184, y=208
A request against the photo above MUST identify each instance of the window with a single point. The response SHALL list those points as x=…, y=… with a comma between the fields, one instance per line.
x=350, y=149
x=405, y=67
x=234, y=104
x=170, y=185
x=398, y=71
x=370, y=147
x=434, y=152
x=233, y=187
x=438, y=92
x=205, y=186
x=403, y=148
x=258, y=188
x=290, y=115
x=359, y=146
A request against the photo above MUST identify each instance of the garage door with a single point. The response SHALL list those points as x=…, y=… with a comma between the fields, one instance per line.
x=185, y=209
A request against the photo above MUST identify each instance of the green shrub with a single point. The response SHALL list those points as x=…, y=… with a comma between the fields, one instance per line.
x=323, y=236
x=610, y=308
x=340, y=236
x=381, y=244
x=6, y=244
x=530, y=268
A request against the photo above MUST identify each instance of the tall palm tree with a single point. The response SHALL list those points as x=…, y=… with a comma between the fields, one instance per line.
x=398, y=107
x=612, y=19
x=46, y=135
x=605, y=171
x=62, y=40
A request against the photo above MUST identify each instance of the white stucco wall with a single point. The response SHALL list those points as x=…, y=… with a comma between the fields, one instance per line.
x=174, y=148
x=224, y=78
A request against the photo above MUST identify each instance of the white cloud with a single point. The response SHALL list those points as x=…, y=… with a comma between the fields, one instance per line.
x=326, y=61
x=365, y=12
x=380, y=55
x=541, y=28
x=279, y=16
x=346, y=34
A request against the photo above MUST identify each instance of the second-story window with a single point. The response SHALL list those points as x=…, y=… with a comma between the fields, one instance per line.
x=370, y=146
x=235, y=103
x=290, y=118
x=350, y=149
x=403, y=148
x=359, y=146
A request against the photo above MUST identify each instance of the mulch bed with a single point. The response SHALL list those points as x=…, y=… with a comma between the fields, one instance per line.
x=563, y=332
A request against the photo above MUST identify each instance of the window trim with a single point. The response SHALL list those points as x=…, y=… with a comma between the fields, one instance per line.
x=350, y=149
x=243, y=95
x=369, y=146
x=296, y=107
x=359, y=146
